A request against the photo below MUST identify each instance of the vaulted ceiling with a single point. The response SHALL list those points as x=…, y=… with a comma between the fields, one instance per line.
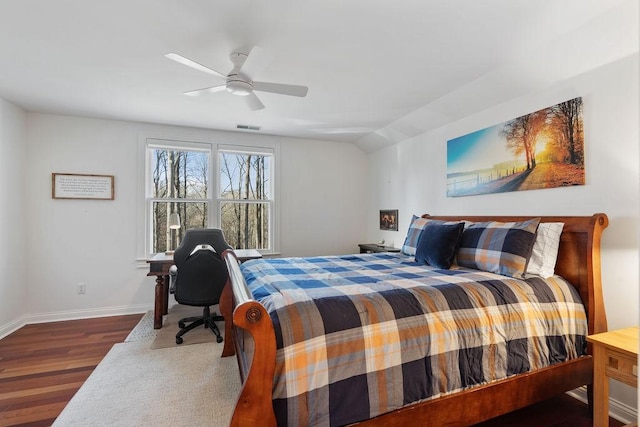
x=378, y=71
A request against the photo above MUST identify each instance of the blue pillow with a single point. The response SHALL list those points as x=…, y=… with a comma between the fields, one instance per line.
x=438, y=244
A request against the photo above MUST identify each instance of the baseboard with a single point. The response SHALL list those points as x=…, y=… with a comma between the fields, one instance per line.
x=12, y=326
x=618, y=410
x=58, y=316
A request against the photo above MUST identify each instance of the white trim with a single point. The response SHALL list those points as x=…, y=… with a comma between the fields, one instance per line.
x=13, y=326
x=618, y=410
x=59, y=316
x=141, y=199
x=244, y=149
x=275, y=197
x=168, y=144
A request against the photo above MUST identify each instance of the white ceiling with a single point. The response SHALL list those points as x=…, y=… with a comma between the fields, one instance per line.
x=377, y=71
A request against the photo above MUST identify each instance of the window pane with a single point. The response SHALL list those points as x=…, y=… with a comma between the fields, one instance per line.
x=179, y=174
x=245, y=176
x=191, y=215
x=246, y=225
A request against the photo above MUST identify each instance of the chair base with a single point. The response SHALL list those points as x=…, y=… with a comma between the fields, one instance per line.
x=207, y=319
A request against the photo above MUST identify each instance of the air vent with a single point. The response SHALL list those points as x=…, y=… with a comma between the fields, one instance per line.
x=248, y=127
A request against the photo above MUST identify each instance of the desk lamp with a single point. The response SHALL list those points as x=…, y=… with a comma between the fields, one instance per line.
x=174, y=224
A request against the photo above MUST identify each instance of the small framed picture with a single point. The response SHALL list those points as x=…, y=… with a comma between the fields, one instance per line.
x=389, y=220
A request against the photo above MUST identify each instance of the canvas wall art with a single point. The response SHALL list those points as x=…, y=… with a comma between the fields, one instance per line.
x=389, y=219
x=543, y=149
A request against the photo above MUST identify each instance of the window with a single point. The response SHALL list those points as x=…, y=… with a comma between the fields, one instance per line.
x=245, y=198
x=184, y=189
x=180, y=199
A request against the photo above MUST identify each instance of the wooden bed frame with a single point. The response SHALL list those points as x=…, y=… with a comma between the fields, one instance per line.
x=251, y=337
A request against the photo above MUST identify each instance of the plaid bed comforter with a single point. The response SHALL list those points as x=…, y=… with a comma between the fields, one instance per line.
x=361, y=335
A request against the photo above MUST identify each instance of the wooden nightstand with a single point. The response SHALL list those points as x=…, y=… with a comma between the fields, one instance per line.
x=369, y=248
x=615, y=355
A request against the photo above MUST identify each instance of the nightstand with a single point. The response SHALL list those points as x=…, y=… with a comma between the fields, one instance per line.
x=615, y=355
x=369, y=248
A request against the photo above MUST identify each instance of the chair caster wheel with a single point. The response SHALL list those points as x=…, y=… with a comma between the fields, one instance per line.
x=179, y=340
x=181, y=324
x=219, y=339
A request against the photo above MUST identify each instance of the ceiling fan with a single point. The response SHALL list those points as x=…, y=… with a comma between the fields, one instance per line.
x=238, y=81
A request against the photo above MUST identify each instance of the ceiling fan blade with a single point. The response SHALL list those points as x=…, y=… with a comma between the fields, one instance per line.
x=189, y=63
x=254, y=102
x=292, y=90
x=257, y=60
x=211, y=89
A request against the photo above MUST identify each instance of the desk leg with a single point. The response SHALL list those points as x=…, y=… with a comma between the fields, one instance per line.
x=165, y=294
x=158, y=306
x=600, y=387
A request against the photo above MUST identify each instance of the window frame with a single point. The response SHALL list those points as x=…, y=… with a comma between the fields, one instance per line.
x=197, y=143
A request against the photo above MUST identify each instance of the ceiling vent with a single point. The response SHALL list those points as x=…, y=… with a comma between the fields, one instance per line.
x=247, y=127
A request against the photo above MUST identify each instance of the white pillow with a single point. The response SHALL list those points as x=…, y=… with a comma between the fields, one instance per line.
x=545, y=249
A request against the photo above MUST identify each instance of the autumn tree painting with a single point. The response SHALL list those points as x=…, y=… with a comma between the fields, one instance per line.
x=543, y=149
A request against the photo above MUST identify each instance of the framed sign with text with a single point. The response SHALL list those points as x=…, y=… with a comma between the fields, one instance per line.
x=78, y=186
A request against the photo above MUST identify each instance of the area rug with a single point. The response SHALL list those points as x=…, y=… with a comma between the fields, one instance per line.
x=143, y=331
x=136, y=386
x=166, y=336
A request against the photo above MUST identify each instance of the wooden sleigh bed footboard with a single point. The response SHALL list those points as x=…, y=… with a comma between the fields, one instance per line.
x=251, y=338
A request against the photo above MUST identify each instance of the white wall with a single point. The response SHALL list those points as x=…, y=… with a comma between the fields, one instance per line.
x=13, y=230
x=94, y=241
x=322, y=197
x=411, y=176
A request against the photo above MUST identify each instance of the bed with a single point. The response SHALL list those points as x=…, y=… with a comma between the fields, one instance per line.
x=261, y=333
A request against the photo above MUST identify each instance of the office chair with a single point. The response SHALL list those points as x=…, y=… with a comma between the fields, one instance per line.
x=200, y=276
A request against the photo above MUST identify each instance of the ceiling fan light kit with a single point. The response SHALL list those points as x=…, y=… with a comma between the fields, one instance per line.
x=239, y=87
x=238, y=83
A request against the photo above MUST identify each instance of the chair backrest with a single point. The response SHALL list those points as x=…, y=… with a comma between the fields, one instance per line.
x=202, y=273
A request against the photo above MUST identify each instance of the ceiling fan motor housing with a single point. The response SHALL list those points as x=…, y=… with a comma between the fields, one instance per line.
x=239, y=87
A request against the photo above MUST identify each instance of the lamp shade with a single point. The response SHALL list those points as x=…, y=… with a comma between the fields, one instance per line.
x=174, y=221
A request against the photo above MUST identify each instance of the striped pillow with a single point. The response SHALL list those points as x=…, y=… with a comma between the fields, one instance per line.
x=415, y=229
x=498, y=247
x=545, y=249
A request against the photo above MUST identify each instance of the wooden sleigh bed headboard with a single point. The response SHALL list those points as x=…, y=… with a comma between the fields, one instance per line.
x=251, y=337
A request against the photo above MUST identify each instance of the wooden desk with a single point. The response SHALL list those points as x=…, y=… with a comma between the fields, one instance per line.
x=615, y=355
x=368, y=248
x=159, y=266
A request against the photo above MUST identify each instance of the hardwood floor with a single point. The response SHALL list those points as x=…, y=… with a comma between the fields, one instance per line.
x=43, y=365
x=562, y=411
